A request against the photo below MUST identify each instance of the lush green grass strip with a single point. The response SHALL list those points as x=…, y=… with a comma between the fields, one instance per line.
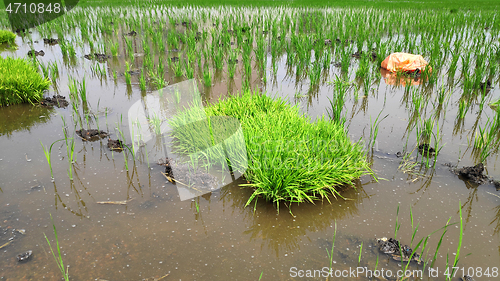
x=7, y=36
x=20, y=82
x=290, y=158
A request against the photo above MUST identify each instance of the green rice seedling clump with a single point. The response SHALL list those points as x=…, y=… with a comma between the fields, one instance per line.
x=7, y=36
x=290, y=158
x=20, y=82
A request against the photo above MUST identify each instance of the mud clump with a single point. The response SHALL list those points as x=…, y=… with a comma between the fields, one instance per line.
x=473, y=173
x=33, y=53
x=97, y=57
x=56, y=100
x=392, y=247
x=50, y=41
x=91, y=134
x=484, y=86
x=115, y=145
x=426, y=150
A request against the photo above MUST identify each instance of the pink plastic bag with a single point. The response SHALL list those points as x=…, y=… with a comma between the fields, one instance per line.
x=404, y=62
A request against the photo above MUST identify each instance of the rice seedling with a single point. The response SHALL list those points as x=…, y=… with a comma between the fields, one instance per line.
x=142, y=81
x=7, y=37
x=21, y=82
x=59, y=261
x=330, y=254
x=275, y=172
x=374, y=129
x=207, y=77
x=114, y=48
x=127, y=74
x=48, y=153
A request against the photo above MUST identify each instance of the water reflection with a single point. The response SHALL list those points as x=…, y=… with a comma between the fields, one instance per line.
x=22, y=117
x=284, y=232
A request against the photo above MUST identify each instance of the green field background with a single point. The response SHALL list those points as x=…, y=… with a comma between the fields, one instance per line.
x=382, y=4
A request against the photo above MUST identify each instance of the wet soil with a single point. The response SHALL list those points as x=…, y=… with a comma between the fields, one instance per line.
x=426, y=150
x=393, y=247
x=91, y=134
x=50, y=41
x=115, y=145
x=472, y=174
x=55, y=100
x=33, y=53
x=97, y=57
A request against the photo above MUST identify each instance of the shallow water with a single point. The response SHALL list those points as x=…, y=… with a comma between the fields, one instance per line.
x=156, y=234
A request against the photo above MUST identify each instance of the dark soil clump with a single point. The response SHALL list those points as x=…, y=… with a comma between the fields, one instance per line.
x=485, y=85
x=426, y=150
x=33, y=53
x=392, y=247
x=497, y=184
x=50, y=41
x=97, y=57
x=132, y=33
x=56, y=100
x=115, y=145
x=473, y=174
x=91, y=135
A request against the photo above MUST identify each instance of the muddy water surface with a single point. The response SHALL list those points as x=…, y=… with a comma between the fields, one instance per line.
x=156, y=234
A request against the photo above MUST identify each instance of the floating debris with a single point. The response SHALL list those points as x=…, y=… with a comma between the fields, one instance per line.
x=122, y=202
x=24, y=256
x=6, y=244
x=467, y=278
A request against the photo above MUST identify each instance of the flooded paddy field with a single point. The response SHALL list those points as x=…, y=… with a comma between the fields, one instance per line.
x=119, y=218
